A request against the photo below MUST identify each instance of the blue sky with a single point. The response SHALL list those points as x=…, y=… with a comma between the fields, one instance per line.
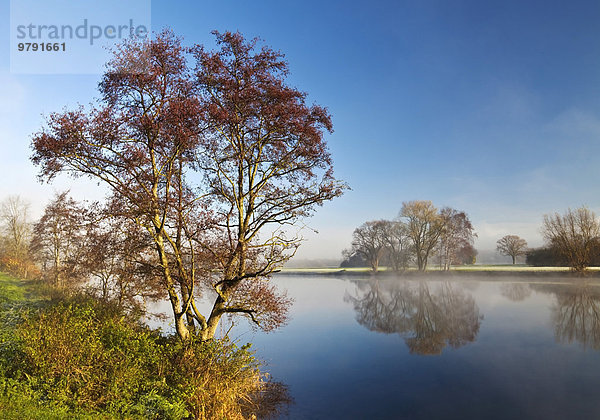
x=488, y=107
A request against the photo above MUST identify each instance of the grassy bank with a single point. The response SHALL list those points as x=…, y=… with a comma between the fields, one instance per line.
x=16, y=297
x=73, y=357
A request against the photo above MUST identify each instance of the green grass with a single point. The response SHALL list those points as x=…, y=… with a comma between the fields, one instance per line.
x=329, y=270
x=15, y=403
x=511, y=268
x=11, y=289
x=70, y=356
x=484, y=268
x=28, y=389
x=22, y=408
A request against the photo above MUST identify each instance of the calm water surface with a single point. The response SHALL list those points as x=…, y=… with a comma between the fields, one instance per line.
x=357, y=348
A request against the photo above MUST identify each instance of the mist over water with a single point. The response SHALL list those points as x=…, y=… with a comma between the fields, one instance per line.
x=436, y=347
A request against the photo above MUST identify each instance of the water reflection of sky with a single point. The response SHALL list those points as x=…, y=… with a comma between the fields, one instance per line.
x=521, y=355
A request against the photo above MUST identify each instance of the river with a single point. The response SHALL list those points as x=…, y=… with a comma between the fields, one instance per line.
x=441, y=347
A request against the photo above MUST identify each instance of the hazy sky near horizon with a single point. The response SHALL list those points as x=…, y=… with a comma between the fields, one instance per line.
x=491, y=107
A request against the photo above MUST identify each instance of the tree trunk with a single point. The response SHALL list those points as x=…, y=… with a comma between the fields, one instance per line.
x=180, y=325
x=185, y=294
x=56, y=269
x=208, y=333
x=374, y=265
x=421, y=262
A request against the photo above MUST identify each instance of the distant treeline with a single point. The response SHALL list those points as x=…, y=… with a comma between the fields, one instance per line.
x=420, y=234
x=553, y=257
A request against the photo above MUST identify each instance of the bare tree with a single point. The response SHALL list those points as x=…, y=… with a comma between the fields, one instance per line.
x=368, y=241
x=117, y=258
x=57, y=239
x=574, y=235
x=425, y=226
x=16, y=232
x=512, y=246
x=397, y=244
x=457, y=234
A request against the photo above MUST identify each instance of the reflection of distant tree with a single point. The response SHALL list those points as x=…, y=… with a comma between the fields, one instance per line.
x=576, y=316
x=515, y=291
x=428, y=326
x=383, y=311
x=427, y=321
x=576, y=313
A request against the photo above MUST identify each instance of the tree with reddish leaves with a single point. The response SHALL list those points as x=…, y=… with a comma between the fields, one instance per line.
x=267, y=165
x=233, y=123
x=467, y=254
x=136, y=141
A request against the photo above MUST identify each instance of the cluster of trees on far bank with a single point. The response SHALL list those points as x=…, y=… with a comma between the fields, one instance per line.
x=421, y=232
x=572, y=240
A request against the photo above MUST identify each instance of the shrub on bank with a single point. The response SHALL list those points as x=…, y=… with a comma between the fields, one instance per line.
x=80, y=356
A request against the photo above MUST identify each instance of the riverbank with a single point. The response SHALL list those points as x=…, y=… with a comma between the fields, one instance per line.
x=470, y=270
x=67, y=355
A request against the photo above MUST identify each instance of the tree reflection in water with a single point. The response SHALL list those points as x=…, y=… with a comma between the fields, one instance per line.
x=428, y=321
x=272, y=402
x=575, y=313
x=515, y=291
x=576, y=316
